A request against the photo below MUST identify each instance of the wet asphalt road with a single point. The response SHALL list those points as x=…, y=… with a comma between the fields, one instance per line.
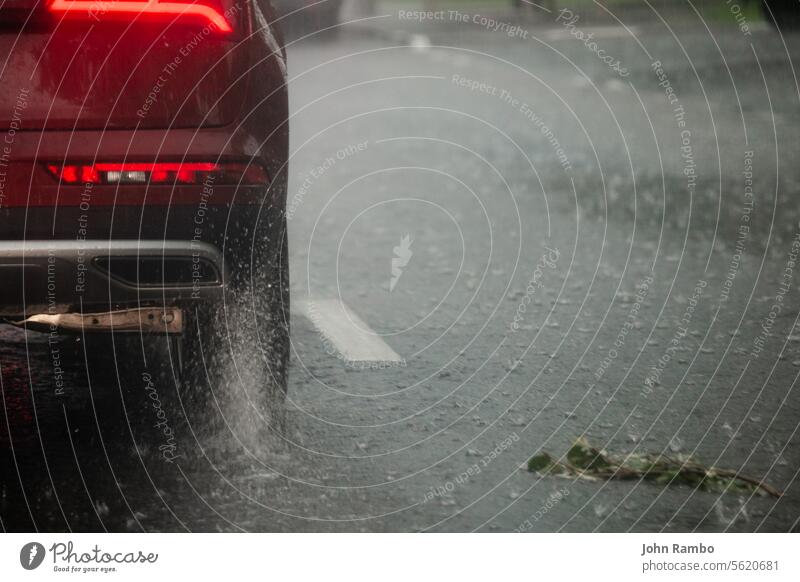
x=556, y=233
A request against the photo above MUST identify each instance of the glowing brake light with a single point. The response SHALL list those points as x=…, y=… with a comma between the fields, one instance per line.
x=226, y=173
x=97, y=9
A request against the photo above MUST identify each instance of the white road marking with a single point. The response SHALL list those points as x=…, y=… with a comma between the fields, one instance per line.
x=615, y=85
x=351, y=337
x=419, y=42
x=597, y=32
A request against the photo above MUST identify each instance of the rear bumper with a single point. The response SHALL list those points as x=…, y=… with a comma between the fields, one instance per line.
x=57, y=276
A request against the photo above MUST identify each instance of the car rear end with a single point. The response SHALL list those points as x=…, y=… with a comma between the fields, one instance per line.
x=143, y=147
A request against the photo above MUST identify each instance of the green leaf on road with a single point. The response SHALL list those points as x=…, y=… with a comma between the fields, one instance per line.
x=545, y=464
x=540, y=463
x=583, y=461
x=583, y=456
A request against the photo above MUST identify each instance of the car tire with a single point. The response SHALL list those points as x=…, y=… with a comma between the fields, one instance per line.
x=255, y=315
x=271, y=300
x=196, y=348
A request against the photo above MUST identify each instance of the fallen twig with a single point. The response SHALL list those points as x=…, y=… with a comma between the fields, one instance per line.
x=586, y=462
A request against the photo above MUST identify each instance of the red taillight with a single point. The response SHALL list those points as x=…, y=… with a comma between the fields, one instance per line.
x=225, y=173
x=98, y=9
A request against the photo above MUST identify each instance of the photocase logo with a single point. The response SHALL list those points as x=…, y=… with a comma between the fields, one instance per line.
x=31, y=555
x=402, y=255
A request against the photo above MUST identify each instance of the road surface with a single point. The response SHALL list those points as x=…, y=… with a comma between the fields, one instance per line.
x=501, y=240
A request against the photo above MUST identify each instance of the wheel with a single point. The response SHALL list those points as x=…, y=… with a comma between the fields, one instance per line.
x=271, y=301
x=195, y=350
x=243, y=340
x=782, y=14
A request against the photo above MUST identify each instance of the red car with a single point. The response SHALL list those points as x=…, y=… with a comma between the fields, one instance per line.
x=143, y=152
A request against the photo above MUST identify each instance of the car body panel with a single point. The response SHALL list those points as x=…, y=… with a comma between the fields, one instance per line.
x=225, y=101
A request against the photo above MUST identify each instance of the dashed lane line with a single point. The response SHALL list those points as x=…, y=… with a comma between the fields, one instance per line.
x=348, y=333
